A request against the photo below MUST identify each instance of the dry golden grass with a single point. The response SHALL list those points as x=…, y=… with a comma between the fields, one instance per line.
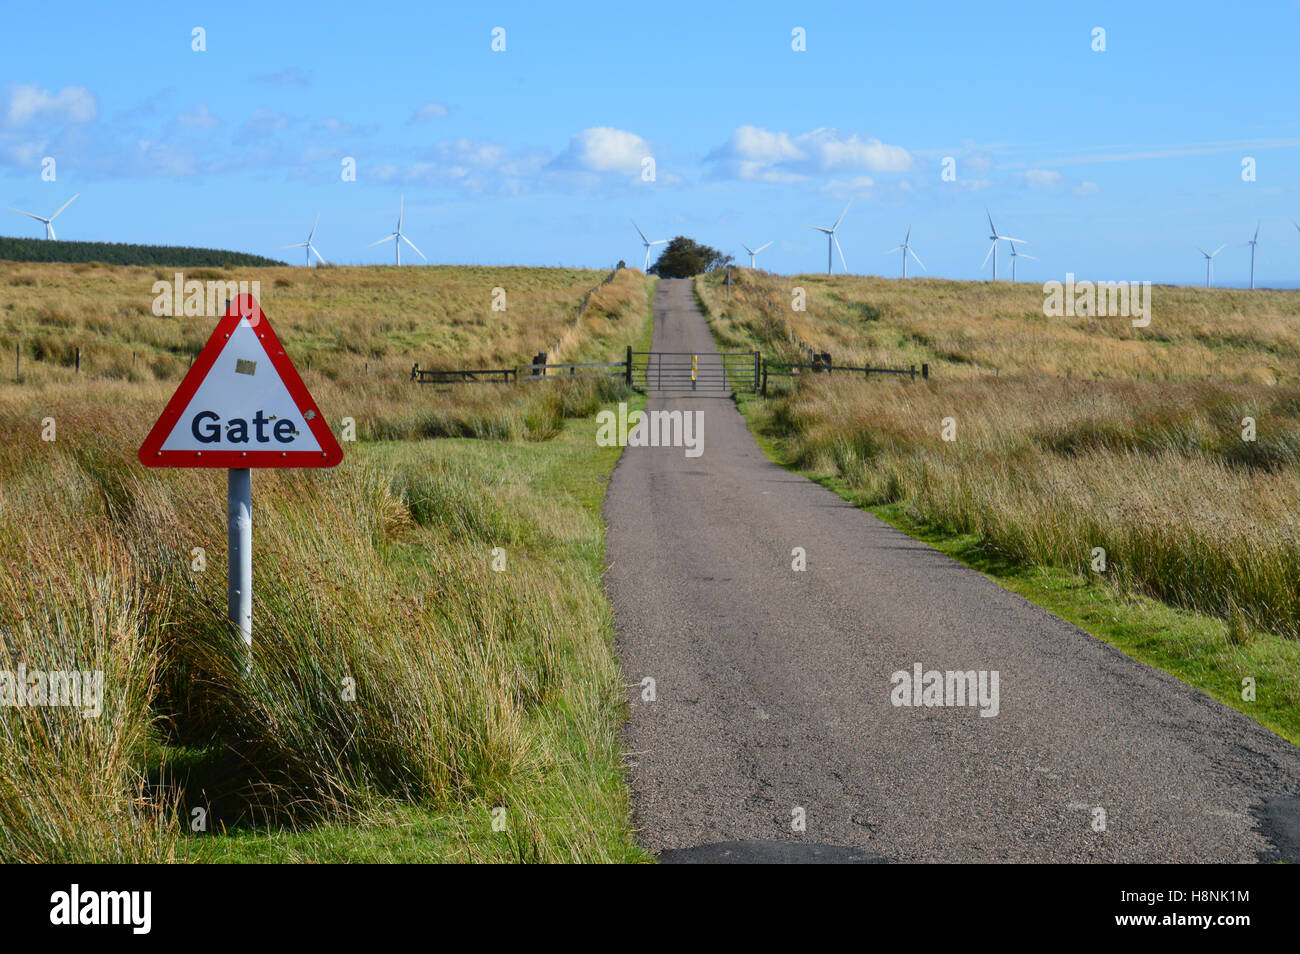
x=970, y=329
x=472, y=687
x=338, y=320
x=1070, y=433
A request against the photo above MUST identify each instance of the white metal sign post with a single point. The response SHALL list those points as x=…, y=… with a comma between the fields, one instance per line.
x=242, y=405
x=239, y=534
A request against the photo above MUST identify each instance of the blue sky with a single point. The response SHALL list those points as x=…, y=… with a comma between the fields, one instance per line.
x=1113, y=165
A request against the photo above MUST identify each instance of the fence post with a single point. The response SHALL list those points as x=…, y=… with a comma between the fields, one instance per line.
x=764, y=380
x=925, y=371
x=758, y=366
x=18, y=360
x=912, y=371
x=76, y=361
x=415, y=370
x=628, y=377
x=866, y=370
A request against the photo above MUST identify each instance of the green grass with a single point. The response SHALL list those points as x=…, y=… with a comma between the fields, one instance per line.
x=573, y=806
x=1203, y=651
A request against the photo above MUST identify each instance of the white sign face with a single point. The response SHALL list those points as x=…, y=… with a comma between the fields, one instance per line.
x=242, y=405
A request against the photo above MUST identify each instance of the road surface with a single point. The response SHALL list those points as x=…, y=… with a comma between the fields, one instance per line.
x=772, y=687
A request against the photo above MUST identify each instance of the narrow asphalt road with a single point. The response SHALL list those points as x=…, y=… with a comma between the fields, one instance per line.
x=772, y=687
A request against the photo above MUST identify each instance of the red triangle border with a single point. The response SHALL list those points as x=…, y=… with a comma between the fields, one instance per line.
x=151, y=452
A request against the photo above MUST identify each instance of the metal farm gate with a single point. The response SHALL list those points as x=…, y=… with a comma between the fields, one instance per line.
x=683, y=371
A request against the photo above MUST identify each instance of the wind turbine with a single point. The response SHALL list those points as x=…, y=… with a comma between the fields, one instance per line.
x=1015, y=255
x=1252, y=243
x=49, y=223
x=648, y=244
x=993, y=249
x=311, y=249
x=753, y=251
x=907, y=250
x=832, y=240
x=1209, y=263
x=397, y=237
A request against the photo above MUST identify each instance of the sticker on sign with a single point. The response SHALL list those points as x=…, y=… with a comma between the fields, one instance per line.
x=242, y=404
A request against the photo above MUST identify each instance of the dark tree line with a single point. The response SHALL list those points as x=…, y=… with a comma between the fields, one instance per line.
x=121, y=253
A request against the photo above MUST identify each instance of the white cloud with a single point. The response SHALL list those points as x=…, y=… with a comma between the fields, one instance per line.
x=72, y=104
x=604, y=149
x=1086, y=188
x=833, y=152
x=758, y=154
x=754, y=144
x=429, y=111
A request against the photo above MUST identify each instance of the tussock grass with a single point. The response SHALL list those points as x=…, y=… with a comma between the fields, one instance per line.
x=1046, y=470
x=394, y=675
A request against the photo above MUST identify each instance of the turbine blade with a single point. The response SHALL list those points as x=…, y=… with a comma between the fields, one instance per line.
x=840, y=250
x=761, y=247
x=819, y=228
x=1008, y=238
x=1218, y=250
x=660, y=242
x=312, y=249
x=895, y=249
x=841, y=218
x=992, y=227
x=63, y=206
x=908, y=237
x=918, y=259
x=412, y=244
x=747, y=248
x=299, y=245
x=988, y=253
x=640, y=233
x=1030, y=257
x=313, y=228
x=386, y=238
x=401, y=209
x=30, y=215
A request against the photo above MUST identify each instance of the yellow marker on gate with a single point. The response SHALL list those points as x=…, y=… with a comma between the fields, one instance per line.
x=695, y=366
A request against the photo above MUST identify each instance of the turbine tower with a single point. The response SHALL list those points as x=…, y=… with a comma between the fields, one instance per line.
x=1209, y=263
x=397, y=237
x=993, y=249
x=753, y=251
x=311, y=249
x=1252, y=243
x=1015, y=255
x=49, y=223
x=832, y=240
x=648, y=244
x=907, y=250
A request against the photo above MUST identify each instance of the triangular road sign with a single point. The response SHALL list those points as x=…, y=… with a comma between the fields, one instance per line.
x=242, y=404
